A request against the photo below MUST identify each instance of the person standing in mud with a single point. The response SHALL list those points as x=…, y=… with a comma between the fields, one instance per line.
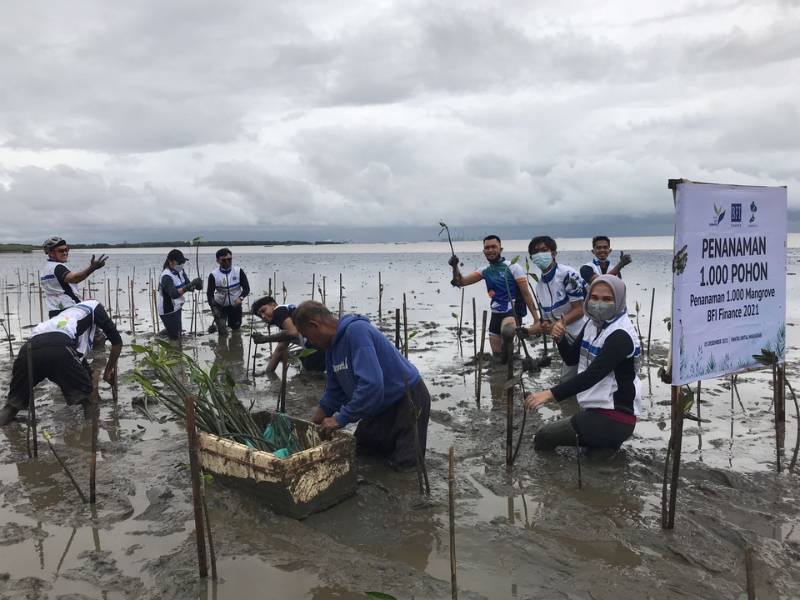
x=506, y=282
x=58, y=349
x=369, y=382
x=280, y=315
x=607, y=385
x=227, y=288
x=174, y=283
x=600, y=265
x=560, y=291
x=58, y=282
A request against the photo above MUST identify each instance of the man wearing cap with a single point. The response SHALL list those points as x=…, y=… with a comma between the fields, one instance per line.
x=57, y=351
x=58, y=282
x=174, y=283
x=227, y=288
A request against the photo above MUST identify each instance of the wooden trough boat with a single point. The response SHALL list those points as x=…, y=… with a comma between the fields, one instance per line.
x=320, y=475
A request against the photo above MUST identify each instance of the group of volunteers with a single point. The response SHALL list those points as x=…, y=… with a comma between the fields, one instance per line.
x=368, y=380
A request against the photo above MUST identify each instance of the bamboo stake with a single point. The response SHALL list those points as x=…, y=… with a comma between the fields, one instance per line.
x=212, y=553
x=397, y=328
x=341, y=297
x=47, y=438
x=478, y=372
x=451, y=500
x=324, y=292
x=460, y=316
x=282, y=392
x=31, y=427
x=95, y=408
x=474, y=329
x=510, y=413
x=677, y=441
x=578, y=459
x=405, y=326
x=194, y=467
x=650, y=325
x=748, y=570
x=313, y=285
x=8, y=330
x=41, y=301
x=380, y=299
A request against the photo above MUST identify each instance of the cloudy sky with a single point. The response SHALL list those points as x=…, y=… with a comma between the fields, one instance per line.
x=154, y=120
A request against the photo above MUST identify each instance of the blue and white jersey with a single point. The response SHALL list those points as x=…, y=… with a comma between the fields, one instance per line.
x=58, y=293
x=501, y=283
x=556, y=289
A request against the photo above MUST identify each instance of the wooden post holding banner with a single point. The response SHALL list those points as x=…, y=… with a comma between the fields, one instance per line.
x=194, y=471
x=728, y=298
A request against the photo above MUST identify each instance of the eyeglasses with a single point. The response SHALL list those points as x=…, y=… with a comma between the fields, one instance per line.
x=62, y=250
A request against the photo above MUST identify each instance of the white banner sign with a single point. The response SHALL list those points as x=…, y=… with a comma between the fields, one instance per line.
x=729, y=278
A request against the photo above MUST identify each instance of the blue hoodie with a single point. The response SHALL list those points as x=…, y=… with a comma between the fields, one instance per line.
x=365, y=372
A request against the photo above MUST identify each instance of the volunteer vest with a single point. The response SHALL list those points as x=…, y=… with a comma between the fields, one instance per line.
x=556, y=290
x=66, y=322
x=56, y=296
x=601, y=394
x=594, y=264
x=227, y=286
x=167, y=305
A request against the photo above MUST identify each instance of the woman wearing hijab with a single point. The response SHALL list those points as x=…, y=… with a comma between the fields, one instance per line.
x=607, y=386
x=174, y=283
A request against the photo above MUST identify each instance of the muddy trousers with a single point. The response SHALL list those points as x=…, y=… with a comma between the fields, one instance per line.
x=229, y=315
x=52, y=358
x=173, y=324
x=391, y=433
x=593, y=430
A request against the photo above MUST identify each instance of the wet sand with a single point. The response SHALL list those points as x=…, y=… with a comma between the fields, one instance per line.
x=525, y=533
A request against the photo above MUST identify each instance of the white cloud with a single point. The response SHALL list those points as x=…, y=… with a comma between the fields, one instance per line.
x=253, y=115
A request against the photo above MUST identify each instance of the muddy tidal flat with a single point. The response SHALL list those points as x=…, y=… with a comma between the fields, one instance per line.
x=524, y=533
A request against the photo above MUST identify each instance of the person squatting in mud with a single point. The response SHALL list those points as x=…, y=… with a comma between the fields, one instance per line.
x=505, y=283
x=58, y=348
x=226, y=289
x=369, y=382
x=280, y=315
x=607, y=385
x=58, y=282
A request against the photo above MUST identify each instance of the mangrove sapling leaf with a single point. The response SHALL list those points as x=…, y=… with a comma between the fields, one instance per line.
x=413, y=334
x=138, y=349
x=534, y=276
x=515, y=260
x=454, y=315
x=306, y=352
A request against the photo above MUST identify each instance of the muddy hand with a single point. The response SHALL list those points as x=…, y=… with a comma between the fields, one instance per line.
x=558, y=330
x=624, y=259
x=536, y=399
x=99, y=263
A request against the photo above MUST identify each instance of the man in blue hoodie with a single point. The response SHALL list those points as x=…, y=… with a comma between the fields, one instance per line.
x=368, y=381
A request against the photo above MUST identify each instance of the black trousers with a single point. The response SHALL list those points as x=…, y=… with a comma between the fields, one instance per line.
x=53, y=358
x=232, y=315
x=593, y=430
x=173, y=324
x=391, y=433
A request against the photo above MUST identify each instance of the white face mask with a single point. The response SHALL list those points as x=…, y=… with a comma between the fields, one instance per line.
x=179, y=268
x=543, y=260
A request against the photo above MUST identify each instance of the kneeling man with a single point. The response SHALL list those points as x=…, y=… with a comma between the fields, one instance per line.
x=366, y=382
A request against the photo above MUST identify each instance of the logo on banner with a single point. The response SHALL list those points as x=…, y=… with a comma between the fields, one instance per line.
x=719, y=214
x=736, y=212
x=753, y=211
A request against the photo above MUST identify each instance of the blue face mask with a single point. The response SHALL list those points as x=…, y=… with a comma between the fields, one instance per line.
x=543, y=260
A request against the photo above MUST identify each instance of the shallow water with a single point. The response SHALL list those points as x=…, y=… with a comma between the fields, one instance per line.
x=530, y=533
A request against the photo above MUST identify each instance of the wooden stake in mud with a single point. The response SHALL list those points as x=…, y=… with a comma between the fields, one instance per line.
x=31, y=428
x=578, y=459
x=460, y=315
x=676, y=439
x=282, y=393
x=341, y=296
x=194, y=468
x=422, y=470
x=397, y=328
x=8, y=330
x=313, y=285
x=699, y=422
x=41, y=302
x=474, y=329
x=451, y=502
x=47, y=438
x=405, y=327
x=380, y=299
x=95, y=408
x=324, y=291
x=650, y=325
x=478, y=371
x=780, y=409
x=212, y=553
x=510, y=412
x=749, y=575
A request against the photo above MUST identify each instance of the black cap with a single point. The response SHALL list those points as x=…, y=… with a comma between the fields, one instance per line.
x=177, y=256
